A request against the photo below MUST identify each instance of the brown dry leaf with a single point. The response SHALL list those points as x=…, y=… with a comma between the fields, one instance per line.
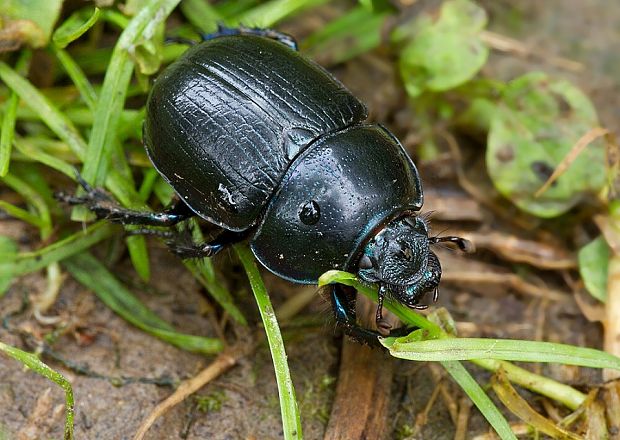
x=519, y=407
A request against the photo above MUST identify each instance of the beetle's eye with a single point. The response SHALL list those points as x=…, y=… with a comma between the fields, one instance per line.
x=309, y=213
x=365, y=262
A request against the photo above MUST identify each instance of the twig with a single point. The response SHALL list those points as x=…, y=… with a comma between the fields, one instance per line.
x=463, y=419
x=509, y=279
x=610, y=227
x=422, y=418
x=575, y=151
x=224, y=362
x=507, y=44
x=514, y=248
x=448, y=399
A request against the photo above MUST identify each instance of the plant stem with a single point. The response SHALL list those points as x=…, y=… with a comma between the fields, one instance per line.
x=291, y=421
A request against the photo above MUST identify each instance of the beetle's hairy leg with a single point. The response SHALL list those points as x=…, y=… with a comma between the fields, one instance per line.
x=182, y=245
x=105, y=207
x=223, y=31
x=343, y=306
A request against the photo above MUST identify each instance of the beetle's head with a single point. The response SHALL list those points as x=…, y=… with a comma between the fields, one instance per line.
x=399, y=259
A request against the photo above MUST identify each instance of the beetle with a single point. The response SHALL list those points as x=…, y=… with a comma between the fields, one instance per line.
x=267, y=145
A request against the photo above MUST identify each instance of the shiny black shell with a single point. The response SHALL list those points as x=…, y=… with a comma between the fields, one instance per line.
x=358, y=178
x=253, y=136
x=225, y=121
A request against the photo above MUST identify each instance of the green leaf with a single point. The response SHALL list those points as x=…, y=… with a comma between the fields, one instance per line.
x=444, y=51
x=27, y=22
x=536, y=125
x=593, y=267
x=75, y=26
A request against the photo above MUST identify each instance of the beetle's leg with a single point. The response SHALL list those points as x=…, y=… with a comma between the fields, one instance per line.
x=104, y=207
x=343, y=306
x=187, y=249
x=223, y=31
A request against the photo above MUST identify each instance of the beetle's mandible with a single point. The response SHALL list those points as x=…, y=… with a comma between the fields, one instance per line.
x=264, y=143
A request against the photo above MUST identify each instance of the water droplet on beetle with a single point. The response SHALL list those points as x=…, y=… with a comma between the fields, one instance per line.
x=310, y=213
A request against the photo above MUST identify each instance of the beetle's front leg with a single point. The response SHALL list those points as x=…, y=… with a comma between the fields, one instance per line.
x=343, y=306
x=104, y=207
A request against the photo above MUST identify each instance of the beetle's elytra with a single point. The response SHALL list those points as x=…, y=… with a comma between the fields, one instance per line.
x=264, y=143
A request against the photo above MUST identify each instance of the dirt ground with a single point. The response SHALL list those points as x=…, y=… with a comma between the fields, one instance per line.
x=120, y=373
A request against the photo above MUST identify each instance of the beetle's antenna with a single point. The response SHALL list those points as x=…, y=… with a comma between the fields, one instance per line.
x=462, y=243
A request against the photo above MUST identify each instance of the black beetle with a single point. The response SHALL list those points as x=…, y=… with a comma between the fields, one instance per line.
x=266, y=144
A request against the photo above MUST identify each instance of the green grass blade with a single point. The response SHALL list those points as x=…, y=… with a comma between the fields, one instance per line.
x=92, y=274
x=65, y=130
x=34, y=198
x=567, y=395
x=7, y=133
x=203, y=271
x=78, y=77
x=503, y=349
x=27, y=262
x=291, y=422
x=35, y=364
x=34, y=152
x=22, y=214
x=221, y=295
x=268, y=13
x=7, y=129
x=53, y=118
x=200, y=14
x=74, y=27
x=139, y=256
x=8, y=250
x=482, y=401
x=350, y=35
x=114, y=89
